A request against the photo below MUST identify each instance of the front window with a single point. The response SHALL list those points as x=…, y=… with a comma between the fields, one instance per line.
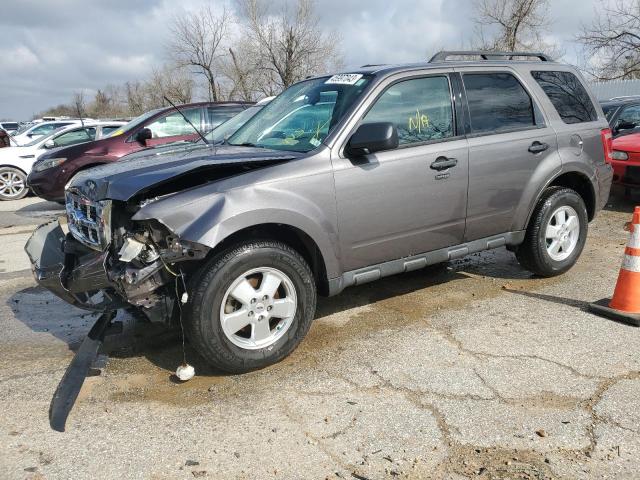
x=301, y=117
x=135, y=122
x=631, y=116
x=73, y=137
x=420, y=109
x=174, y=124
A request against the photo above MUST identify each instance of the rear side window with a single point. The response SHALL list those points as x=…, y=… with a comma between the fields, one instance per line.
x=568, y=95
x=497, y=102
x=419, y=108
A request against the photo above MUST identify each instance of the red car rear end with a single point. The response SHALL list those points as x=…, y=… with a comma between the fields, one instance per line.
x=625, y=160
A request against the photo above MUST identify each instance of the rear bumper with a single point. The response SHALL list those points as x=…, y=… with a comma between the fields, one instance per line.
x=69, y=270
x=626, y=173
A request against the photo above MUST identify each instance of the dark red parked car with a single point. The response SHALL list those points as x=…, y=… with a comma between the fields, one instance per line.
x=54, y=169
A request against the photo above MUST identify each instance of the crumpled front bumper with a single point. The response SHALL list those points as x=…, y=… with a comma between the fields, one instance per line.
x=69, y=270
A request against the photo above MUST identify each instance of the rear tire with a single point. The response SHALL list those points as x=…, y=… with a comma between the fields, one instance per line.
x=251, y=306
x=556, y=233
x=13, y=184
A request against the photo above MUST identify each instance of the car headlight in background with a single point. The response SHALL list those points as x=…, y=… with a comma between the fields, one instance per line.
x=618, y=155
x=48, y=163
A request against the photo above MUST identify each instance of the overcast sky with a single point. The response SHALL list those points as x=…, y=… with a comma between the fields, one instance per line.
x=50, y=49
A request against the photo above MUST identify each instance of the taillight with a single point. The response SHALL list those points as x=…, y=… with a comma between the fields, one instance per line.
x=607, y=143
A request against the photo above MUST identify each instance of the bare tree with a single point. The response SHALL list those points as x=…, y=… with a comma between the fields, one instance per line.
x=287, y=46
x=78, y=104
x=101, y=107
x=240, y=75
x=613, y=41
x=198, y=43
x=171, y=82
x=513, y=25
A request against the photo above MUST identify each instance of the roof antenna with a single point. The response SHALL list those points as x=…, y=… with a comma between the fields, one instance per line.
x=187, y=120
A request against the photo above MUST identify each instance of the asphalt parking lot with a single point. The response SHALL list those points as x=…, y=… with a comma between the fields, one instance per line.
x=470, y=369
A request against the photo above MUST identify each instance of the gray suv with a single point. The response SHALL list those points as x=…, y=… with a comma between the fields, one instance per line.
x=341, y=180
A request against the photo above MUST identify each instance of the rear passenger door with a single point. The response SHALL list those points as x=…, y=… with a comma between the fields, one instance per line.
x=509, y=140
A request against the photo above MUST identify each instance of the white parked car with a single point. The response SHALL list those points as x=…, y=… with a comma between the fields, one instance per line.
x=16, y=162
x=10, y=127
x=41, y=129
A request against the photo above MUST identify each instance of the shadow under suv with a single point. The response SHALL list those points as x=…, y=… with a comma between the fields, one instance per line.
x=341, y=180
x=156, y=127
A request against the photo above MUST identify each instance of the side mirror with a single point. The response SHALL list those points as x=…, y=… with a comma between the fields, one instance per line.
x=49, y=144
x=144, y=135
x=371, y=138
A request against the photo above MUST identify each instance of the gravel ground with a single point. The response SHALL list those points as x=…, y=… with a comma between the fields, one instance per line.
x=472, y=369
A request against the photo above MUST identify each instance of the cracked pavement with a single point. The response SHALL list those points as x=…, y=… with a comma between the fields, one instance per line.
x=472, y=369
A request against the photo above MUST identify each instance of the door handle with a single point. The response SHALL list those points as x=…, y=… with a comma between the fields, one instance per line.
x=538, y=147
x=442, y=163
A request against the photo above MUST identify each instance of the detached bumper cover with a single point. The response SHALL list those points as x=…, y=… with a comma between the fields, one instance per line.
x=75, y=278
x=604, y=175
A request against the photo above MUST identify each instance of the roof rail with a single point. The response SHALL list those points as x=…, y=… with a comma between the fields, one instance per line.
x=486, y=55
x=368, y=65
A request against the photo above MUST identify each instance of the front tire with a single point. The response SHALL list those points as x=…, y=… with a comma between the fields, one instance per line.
x=556, y=233
x=251, y=306
x=13, y=184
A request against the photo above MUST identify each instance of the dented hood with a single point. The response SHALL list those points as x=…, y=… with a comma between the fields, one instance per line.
x=184, y=167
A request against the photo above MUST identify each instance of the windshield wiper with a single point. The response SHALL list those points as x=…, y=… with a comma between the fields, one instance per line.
x=187, y=120
x=247, y=144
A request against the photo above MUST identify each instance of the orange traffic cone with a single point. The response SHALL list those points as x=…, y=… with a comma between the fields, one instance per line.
x=625, y=304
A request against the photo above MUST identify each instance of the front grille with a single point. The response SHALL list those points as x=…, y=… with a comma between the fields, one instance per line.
x=89, y=221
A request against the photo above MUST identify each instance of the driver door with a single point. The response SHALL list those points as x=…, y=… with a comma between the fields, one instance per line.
x=398, y=203
x=172, y=127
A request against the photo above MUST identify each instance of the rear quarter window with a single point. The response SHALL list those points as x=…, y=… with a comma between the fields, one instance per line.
x=568, y=96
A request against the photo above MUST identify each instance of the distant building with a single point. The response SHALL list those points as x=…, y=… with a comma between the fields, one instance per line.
x=616, y=88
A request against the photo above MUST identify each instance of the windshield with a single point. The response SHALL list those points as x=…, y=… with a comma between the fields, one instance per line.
x=228, y=128
x=301, y=117
x=135, y=122
x=609, y=110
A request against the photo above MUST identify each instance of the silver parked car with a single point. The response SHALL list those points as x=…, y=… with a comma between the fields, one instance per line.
x=341, y=180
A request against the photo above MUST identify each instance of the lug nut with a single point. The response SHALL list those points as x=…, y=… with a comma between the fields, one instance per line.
x=269, y=308
x=265, y=297
x=253, y=300
x=260, y=317
x=251, y=314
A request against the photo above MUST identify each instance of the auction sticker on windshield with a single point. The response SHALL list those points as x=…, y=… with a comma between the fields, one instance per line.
x=344, y=79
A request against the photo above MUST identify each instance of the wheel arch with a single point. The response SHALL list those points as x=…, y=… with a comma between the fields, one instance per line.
x=289, y=235
x=575, y=180
x=6, y=165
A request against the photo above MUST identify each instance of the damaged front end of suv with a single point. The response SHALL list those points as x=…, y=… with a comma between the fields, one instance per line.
x=108, y=255
x=107, y=261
